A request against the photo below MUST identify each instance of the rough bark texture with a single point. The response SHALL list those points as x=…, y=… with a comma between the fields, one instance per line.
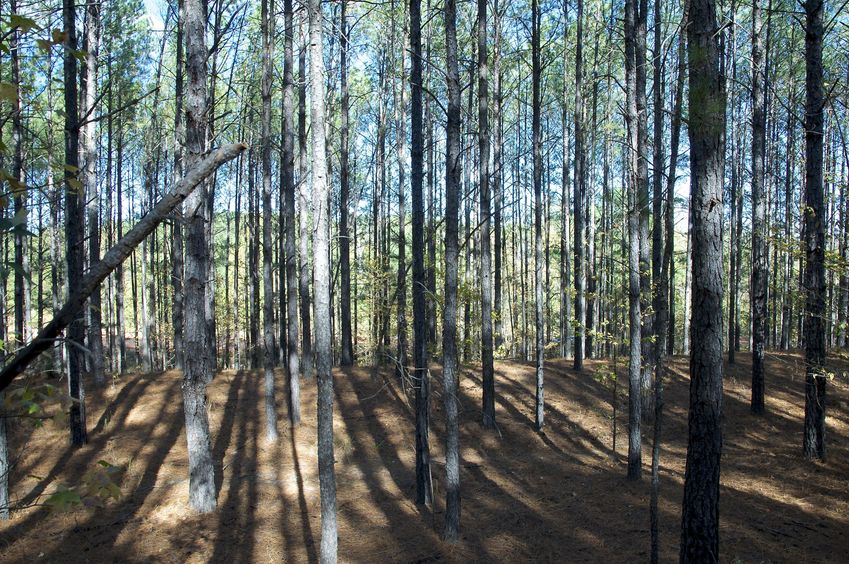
x=635, y=404
x=487, y=369
x=347, y=352
x=814, y=236
x=177, y=311
x=304, y=215
x=421, y=380
x=90, y=156
x=537, y=157
x=288, y=187
x=700, y=516
x=321, y=288
x=199, y=359
x=759, y=251
x=267, y=24
x=74, y=226
x=453, y=160
x=578, y=240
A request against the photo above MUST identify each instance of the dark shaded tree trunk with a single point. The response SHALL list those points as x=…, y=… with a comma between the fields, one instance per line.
x=288, y=188
x=814, y=236
x=177, y=311
x=700, y=515
x=635, y=404
x=453, y=163
x=536, y=73
x=578, y=196
x=421, y=378
x=74, y=228
x=759, y=227
x=487, y=369
x=347, y=352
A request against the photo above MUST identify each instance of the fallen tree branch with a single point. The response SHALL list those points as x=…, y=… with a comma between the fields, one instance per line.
x=115, y=256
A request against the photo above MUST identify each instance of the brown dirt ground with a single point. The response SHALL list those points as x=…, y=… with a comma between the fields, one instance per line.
x=556, y=496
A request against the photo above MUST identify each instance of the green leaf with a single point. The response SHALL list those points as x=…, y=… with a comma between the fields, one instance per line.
x=44, y=45
x=63, y=499
x=74, y=184
x=8, y=91
x=23, y=23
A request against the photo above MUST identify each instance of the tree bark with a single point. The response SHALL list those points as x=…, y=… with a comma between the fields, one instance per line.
x=347, y=352
x=578, y=197
x=453, y=164
x=814, y=236
x=199, y=359
x=321, y=286
x=759, y=252
x=537, y=157
x=487, y=368
x=635, y=404
x=700, y=515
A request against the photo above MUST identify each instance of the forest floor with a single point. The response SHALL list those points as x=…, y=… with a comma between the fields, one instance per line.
x=560, y=495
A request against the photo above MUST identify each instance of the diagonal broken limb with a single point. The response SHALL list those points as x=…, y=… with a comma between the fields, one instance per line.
x=115, y=256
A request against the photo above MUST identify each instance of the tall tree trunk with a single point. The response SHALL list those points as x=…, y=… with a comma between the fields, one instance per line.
x=759, y=250
x=267, y=24
x=321, y=286
x=199, y=359
x=74, y=228
x=487, y=369
x=497, y=175
x=580, y=174
x=401, y=278
x=635, y=404
x=814, y=236
x=700, y=516
x=347, y=353
x=642, y=180
x=90, y=157
x=536, y=73
x=565, y=266
x=288, y=188
x=177, y=311
x=674, y=138
x=660, y=271
x=20, y=239
x=304, y=212
x=421, y=379
x=453, y=163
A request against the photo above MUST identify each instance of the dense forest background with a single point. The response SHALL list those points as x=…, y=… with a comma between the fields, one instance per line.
x=417, y=186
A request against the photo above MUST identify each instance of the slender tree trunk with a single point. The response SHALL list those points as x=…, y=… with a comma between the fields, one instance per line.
x=74, y=228
x=401, y=278
x=19, y=191
x=267, y=24
x=177, y=314
x=635, y=404
x=497, y=175
x=347, y=353
x=488, y=376
x=700, y=516
x=90, y=157
x=759, y=250
x=421, y=380
x=321, y=281
x=304, y=213
x=580, y=174
x=453, y=162
x=565, y=264
x=814, y=236
x=537, y=157
x=288, y=187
